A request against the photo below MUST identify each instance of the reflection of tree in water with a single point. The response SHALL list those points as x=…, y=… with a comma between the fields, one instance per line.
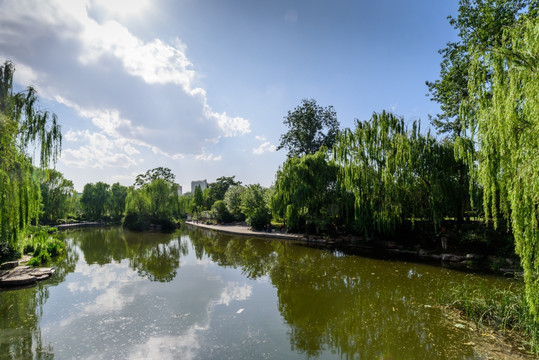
x=357, y=307
x=22, y=309
x=153, y=255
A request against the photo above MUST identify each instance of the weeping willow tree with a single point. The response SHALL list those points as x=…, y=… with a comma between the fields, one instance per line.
x=397, y=174
x=505, y=83
x=369, y=159
x=305, y=193
x=23, y=126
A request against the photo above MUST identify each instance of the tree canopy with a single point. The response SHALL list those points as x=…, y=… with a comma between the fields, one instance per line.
x=310, y=126
x=153, y=174
x=480, y=24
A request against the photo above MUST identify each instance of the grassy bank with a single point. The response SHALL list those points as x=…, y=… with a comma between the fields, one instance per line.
x=40, y=243
x=504, y=310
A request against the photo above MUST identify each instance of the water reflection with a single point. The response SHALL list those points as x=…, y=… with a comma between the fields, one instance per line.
x=21, y=310
x=207, y=296
x=154, y=255
x=355, y=307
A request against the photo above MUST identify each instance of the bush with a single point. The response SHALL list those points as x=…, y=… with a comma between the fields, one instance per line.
x=42, y=245
x=220, y=212
x=8, y=253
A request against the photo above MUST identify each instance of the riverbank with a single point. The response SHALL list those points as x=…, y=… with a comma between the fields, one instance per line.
x=379, y=248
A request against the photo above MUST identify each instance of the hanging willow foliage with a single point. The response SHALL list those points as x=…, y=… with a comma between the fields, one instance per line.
x=305, y=193
x=397, y=174
x=369, y=158
x=22, y=125
x=508, y=134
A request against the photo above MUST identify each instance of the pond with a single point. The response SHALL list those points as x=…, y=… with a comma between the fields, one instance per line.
x=201, y=295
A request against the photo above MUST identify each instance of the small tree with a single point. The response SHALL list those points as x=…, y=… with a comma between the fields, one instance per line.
x=198, y=200
x=306, y=193
x=233, y=201
x=255, y=207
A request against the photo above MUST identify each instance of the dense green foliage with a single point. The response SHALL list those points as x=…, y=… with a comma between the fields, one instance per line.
x=23, y=126
x=117, y=196
x=43, y=245
x=153, y=202
x=397, y=175
x=198, y=200
x=216, y=191
x=505, y=82
x=306, y=193
x=233, y=201
x=57, y=195
x=94, y=199
x=480, y=23
x=254, y=204
x=310, y=127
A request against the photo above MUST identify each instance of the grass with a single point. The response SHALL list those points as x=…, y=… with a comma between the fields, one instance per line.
x=500, y=309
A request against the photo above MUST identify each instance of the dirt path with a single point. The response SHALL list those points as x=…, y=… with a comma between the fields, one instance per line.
x=247, y=231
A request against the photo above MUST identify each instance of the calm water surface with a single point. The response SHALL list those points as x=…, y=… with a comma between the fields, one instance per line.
x=200, y=295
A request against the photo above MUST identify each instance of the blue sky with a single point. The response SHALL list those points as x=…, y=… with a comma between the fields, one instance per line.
x=202, y=86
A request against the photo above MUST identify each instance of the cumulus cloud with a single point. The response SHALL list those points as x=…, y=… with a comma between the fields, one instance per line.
x=266, y=146
x=137, y=94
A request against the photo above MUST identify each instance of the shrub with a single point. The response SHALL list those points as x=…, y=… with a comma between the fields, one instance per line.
x=8, y=253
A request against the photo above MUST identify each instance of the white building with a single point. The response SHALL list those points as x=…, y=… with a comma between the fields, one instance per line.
x=179, y=188
x=202, y=183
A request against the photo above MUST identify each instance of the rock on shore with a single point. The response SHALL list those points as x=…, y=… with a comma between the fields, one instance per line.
x=24, y=275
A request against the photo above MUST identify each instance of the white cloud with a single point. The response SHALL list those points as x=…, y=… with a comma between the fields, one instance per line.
x=139, y=94
x=208, y=157
x=122, y=8
x=97, y=151
x=264, y=147
x=235, y=292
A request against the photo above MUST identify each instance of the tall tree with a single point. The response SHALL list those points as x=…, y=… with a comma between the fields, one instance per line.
x=198, y=200
x=56, y=195
x=118, y=194
x=254, y=204
x=22, y=126
x=94, y=199
x=310, y=127
x=216, y=191
x=508, y=135
x=233, y=201
x=480, y=24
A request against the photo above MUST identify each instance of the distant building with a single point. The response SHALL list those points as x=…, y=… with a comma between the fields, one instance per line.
x=179, y=188
x=202, y=183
